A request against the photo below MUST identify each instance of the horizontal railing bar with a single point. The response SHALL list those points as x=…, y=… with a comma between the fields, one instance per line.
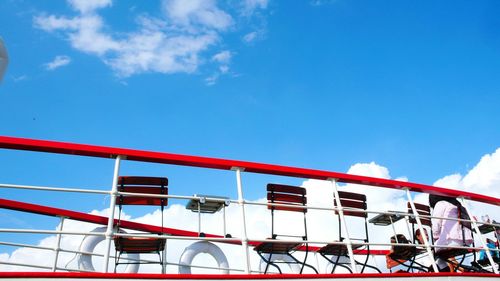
x=101, y=255
x=41, y=231
x=223, y=164
x=206, y=267
x=238, y=240
x=67, y=251
x=48, y=188
x=128, y=194
x=42, y=266
x=26, y=246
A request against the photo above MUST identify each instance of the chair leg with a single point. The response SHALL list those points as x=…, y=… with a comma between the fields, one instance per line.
x=303, y=263
x=268, y=262
x=335, y=263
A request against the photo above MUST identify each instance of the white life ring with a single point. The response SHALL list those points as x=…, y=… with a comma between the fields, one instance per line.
x=89, y=243
x=293, y=265
x=202, y=247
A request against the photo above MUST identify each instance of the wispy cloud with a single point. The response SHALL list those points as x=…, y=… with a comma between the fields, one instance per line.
x=20, y=78
x=176, y=42
x=250, y=6
x=223, y=58
x=58, y=61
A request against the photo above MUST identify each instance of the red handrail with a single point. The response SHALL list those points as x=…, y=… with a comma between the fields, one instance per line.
x=223, y=164
x=95, y=219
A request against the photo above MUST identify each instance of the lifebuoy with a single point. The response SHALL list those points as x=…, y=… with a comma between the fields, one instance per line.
x=202, y=247
x=89, y=243
x=293, y=265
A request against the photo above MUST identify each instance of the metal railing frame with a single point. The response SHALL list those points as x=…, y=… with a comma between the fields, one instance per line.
x=111, y=232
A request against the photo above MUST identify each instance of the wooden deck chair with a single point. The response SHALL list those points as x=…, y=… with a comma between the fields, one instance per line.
x=293, y=197
x=352, y=203
x=140, y=245
x=404, y=254
x=424, y=213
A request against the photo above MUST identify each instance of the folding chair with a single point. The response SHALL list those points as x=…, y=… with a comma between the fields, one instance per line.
x=404, y=254
x=140, y=245
x=352, y=203
x=294, y=197
x=424, y=213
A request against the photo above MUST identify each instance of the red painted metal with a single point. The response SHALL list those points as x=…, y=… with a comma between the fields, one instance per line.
x=110, y=276
x=56, y=212
x=223, y=164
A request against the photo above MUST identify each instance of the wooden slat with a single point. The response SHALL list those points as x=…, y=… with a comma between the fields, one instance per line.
x=286, y=198
x=143, y=189
x=277, y=247
x=284, y=208
x=421, y=209
x=138, y=180
x=351, y=204
x=353, y=214
x=144, y=201
x=286, y=189
x=139, y=244
x=352, y=196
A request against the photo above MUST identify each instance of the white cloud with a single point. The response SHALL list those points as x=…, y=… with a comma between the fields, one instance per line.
x=172, y=44
x=58, y=61
x=204, y=13
x=250, y=37
x=223, y=57
x=250, y=6
x=322, y=225
x=20, y=78
x=89, y=6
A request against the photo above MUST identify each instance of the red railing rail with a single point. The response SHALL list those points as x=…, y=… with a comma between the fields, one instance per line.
x=224, y=164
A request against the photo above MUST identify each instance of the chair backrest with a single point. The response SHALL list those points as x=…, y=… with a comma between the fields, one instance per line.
x=422, y=210
x=293, y=197
x=352, y=201
x=286, y=194
x=147, y=185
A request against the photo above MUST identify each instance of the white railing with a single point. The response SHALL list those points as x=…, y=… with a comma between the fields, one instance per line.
x=244, y=240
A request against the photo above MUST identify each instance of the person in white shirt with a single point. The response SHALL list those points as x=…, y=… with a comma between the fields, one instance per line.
x=448, y=232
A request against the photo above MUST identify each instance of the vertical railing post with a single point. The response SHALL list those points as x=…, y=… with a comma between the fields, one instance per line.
x=241, y=203
x=111, y=217
x=422, y=231
x=476, y=229
x=342, y=217
x=58, y=244
x=164, y=256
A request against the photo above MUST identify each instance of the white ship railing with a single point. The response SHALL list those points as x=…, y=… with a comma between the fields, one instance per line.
x=244, y=240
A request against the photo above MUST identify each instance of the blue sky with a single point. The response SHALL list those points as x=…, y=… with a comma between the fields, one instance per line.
x=410, y=85
x=320, y=84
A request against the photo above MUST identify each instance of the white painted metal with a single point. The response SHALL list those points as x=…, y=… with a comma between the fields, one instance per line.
x=422, y=231
x=111, y=217
x=199, y=217
x=481, y=238
x=244, y=237
x=164, y=256
x=49, y=188
x=342, y=217
x=58, y=245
